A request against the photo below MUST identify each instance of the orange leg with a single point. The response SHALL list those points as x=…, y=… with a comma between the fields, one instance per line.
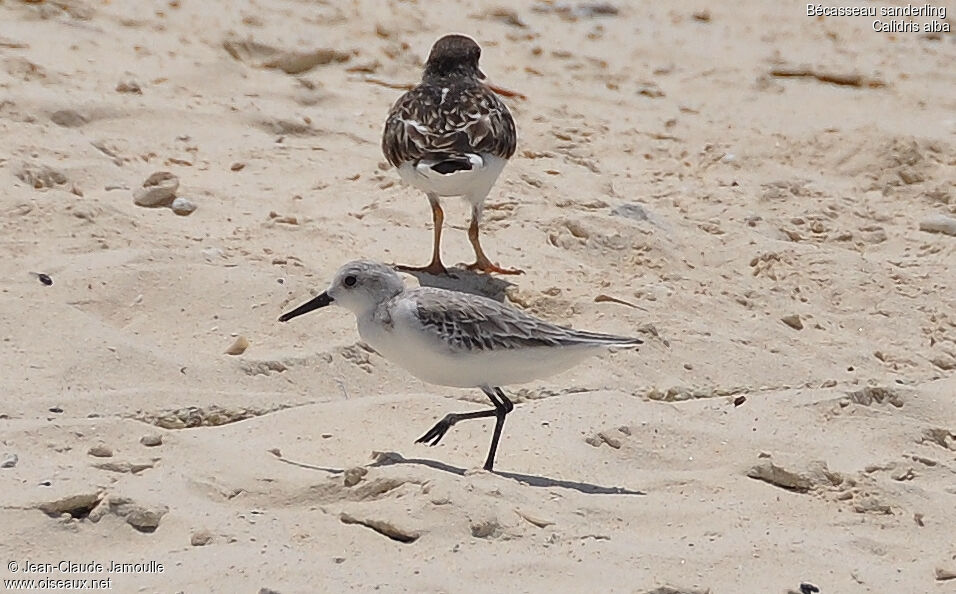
x=435, y=267
x=482, y=263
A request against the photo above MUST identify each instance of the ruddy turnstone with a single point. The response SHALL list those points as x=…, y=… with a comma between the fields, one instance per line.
x=451, y=136
x=456, y=339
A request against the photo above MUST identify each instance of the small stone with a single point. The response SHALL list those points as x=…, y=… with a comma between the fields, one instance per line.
x=129, y=86
x=238, y=347
x=151, y=440
x=536, y=520
x=910, y=176
x=939, y=224
x=354, y=476
x=382, y=526
x=631, y=211
x=799, y=476
x=944, y=574
x=183, y=206
x=101, y=451
x=901, y=475
x=944, y=362
x=78, y=506
x=125, y=467
x=793, y=321
x=68, y=118
x=159, y=189
x=485, y=528
x=45, y=279
x=9, y=461
x=142, y=518
x=146, y=520
x=41, y=176
x=237, y=166
x=200, y=538
x=610, y=440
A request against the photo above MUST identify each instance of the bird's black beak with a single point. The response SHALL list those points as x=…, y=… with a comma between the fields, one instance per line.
x=315, y=303
x=481, y=75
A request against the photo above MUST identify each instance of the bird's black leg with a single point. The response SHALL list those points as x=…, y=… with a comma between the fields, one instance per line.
x=503, y=406
x=435, y=434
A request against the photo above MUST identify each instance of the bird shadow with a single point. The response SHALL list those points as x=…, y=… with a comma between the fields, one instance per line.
x=464, y=281
x=390, y=458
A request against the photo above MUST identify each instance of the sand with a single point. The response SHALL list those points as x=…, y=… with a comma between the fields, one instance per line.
x=753, y=180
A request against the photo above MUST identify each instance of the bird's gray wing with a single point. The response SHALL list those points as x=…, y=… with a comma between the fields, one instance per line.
x=473, y=323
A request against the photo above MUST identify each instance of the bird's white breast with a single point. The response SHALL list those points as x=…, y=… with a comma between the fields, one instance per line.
x=405, y=343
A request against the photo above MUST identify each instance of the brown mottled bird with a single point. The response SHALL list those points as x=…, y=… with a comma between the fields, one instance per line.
x=451, y=136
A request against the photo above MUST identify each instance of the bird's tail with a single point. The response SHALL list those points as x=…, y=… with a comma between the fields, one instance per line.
x=599, y=339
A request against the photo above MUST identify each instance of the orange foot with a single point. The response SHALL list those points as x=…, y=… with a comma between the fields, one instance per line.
x=485, y=265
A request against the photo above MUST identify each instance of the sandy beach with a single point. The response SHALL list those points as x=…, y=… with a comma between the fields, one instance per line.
x=767, y=198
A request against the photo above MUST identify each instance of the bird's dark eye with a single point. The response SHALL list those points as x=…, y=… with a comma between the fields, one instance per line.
x=349, y=281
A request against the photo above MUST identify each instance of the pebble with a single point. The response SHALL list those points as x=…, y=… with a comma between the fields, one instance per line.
x=631, y=211
x=142, y=518
x=939, y=224
x=183, y=206
x=538, y=521
x=354, y=476
x=101, y=451
x=129, y=86
x=151, y=440
x=9, y=461
x=799, y=476
x=159, y=189
x=944, y=362
x=78, y=505
x=793, y=321
x=485, y=528
x=68, y=118
x=41, y=176
x=383, y=527
x=238, y=347
x=944, y=574
x=200, y=538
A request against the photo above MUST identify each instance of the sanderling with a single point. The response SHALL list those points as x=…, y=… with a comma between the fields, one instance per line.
x=455, y=339
x=451, y=136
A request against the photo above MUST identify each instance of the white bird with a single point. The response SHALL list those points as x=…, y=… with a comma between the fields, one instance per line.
x=455, y=339
x=451, y=136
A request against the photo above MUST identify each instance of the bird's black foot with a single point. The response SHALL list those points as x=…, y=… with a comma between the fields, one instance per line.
x=434, y=435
